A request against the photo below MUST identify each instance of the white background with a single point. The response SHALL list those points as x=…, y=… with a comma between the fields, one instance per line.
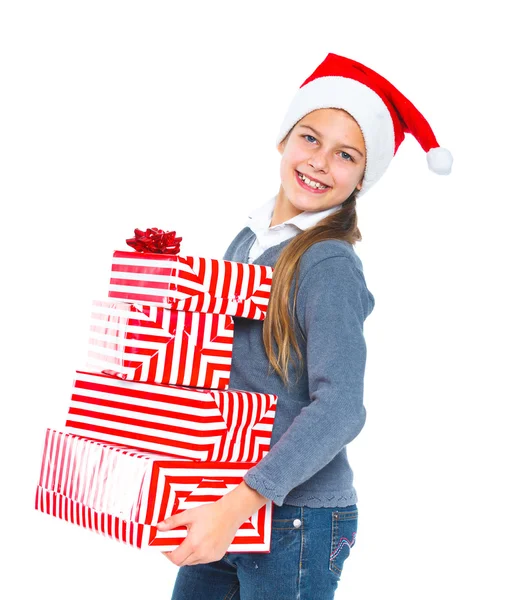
x=116, y=115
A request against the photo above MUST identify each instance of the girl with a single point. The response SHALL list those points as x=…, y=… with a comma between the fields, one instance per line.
x=337, y=139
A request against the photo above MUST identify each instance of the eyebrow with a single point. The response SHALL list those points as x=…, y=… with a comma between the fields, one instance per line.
x=341, y=145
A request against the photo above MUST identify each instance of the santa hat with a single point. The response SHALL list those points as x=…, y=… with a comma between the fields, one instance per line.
x=383, y=114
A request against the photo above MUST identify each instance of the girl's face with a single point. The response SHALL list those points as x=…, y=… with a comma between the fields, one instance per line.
x=326, y=147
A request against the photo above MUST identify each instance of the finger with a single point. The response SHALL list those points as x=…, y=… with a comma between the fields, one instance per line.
x=173, y=521
x=170, y=557
x=180, y=555
x=183, y=563
x=191, y=560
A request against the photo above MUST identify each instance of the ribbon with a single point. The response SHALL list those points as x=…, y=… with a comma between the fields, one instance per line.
x=155, y=241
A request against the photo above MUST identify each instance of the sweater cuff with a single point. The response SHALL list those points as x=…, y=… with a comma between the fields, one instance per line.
x=264, y=487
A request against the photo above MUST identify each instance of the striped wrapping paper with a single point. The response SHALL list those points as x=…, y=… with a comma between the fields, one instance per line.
x=123, y=493
x=200, y=424
x=160, y=345
x=191, y=283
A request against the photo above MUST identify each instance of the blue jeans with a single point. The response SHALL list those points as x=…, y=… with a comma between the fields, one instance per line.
x=305, y=562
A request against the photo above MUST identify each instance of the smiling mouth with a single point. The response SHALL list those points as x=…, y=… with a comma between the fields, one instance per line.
x=311, y=183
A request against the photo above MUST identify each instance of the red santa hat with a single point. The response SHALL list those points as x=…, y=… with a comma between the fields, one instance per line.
x=383, y=114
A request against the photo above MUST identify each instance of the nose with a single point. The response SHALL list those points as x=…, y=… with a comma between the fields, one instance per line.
x=318, y=161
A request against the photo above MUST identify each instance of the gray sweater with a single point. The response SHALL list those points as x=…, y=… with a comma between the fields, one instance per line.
x=322, y=411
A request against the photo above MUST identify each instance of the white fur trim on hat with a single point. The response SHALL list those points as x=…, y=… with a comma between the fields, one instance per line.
x=363, y=104
x=440, y=160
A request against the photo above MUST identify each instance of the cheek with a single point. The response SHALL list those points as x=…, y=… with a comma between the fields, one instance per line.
x=287, y=165
x=293, y=155
x=346, y=174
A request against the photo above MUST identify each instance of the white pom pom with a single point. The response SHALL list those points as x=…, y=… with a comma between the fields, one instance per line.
x=440, y=161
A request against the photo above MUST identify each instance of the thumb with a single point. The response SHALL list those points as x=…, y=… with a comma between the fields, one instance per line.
x=172, y=521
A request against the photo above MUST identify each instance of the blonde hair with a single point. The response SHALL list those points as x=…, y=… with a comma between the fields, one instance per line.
x=279, y=323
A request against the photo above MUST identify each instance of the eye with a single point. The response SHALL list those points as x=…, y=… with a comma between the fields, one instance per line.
x=346, y=156
x=309, y=136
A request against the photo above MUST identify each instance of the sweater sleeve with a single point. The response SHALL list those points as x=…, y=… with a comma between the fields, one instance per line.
x=332, y=304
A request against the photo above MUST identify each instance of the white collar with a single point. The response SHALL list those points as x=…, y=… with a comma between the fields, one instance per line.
x=260, y=217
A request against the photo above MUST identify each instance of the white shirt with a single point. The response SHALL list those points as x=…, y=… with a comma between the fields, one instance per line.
x=266, y=236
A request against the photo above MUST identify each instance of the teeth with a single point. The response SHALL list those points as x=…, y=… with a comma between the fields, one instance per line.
x=311, y=183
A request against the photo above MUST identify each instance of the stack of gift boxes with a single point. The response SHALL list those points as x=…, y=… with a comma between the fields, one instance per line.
x=153, y=427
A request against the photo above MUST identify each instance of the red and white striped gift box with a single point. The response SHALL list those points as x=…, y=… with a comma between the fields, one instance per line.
x=123, y=493
x=200, y=424
x=160, y=345
x=191, y=283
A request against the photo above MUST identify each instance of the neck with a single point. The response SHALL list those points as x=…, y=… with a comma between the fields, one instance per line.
x=283, y=209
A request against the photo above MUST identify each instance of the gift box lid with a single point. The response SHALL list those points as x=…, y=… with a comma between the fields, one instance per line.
x=191, y=283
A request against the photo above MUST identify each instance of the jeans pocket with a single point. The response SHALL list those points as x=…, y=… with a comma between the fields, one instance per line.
x=344, y=527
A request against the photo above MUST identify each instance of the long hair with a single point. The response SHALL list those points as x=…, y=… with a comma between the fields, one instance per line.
x=278, y=326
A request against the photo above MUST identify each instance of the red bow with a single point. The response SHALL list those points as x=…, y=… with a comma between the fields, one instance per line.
x=155, y=241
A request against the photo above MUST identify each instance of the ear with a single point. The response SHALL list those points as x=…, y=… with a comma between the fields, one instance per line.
x=281, y=146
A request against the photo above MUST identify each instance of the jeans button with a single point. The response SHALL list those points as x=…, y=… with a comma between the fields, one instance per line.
x=297, y=523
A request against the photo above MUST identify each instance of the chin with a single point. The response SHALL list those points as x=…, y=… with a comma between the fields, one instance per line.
x=307, y=204
x=302, y=206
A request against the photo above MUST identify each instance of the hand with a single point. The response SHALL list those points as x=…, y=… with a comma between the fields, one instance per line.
x=210, y=531
x=212, y=527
